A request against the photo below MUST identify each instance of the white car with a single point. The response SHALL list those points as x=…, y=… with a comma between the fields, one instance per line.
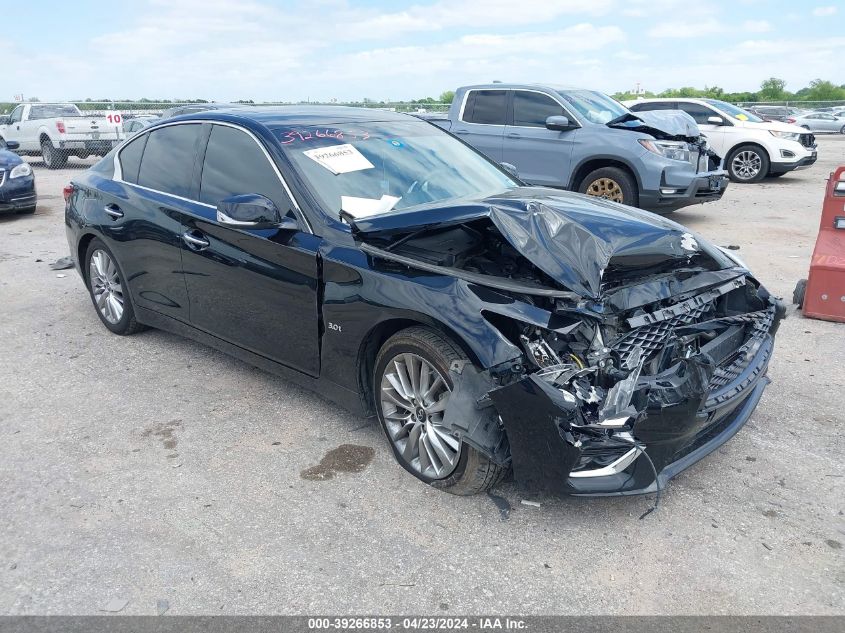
x=58, y=130
x=751, y=147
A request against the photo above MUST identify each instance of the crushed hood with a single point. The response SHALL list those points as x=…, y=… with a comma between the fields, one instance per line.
x=573, y=238
x=673, y=125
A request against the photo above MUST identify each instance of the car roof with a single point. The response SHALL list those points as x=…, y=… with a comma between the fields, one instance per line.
x=282, y=116
x=520, y=86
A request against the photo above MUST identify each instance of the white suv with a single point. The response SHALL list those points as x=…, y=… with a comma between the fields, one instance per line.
x=751, y=147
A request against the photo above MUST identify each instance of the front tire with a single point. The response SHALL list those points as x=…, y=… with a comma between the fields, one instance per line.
x=108, y=291
x=411, y=388
x=842, y=131
x=748, y=163
x=611, y=183
x=53, y=158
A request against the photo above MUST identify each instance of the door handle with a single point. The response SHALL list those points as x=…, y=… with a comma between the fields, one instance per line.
x=196, y=243
x=513, y=135
x=460, y=132
x=113, y=210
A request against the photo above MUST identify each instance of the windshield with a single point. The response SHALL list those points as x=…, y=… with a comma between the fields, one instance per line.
x=734, y=111
x=594, y=106
x=377, y=167
x=53, y=111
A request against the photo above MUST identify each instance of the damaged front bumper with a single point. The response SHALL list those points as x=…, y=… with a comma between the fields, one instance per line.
x=646, y=429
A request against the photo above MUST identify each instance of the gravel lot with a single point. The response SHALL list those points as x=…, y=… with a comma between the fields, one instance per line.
x=150, y=468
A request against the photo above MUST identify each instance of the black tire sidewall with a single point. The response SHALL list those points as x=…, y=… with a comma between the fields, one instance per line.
x=626, y=182
x=127, y=318
x=765, y=163
x=389, y=351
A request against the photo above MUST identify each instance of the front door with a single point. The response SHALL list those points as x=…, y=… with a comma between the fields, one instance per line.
x=256, y=289
x=542, y=156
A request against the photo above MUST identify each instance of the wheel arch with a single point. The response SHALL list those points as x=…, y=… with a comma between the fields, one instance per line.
x=597, y=162
x=378, y=335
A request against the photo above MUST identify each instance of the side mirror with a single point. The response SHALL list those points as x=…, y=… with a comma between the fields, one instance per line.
x=559, y=123
x=511, y=169
x=253, y=211
x=12, y=145
x=715, y=120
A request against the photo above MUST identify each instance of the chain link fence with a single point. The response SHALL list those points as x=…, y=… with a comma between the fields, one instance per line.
x=134, y=109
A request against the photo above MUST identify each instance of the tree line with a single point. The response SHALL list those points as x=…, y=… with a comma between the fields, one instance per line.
x=771, y=89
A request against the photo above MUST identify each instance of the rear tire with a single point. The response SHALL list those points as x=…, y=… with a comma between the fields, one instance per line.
x=748, y=163
x=53, y=158
x=842, y=131
x=412, y=430
x=611, y=183
x=109, y=292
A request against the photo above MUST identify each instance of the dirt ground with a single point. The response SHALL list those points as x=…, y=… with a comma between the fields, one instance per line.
x=150, y=468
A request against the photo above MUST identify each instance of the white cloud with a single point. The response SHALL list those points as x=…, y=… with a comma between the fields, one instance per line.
x=682, y=29
x=821, y=12
x=756, y=26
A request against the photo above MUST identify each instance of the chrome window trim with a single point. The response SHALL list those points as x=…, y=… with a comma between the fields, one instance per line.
x=118, y=171
x=526, y=127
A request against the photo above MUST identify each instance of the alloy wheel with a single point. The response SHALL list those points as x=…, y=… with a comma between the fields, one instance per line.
x=606, y=188
x=106, y=286
x=413, y=398
x=746, y=164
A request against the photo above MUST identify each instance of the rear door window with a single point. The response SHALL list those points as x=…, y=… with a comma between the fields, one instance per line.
x=168, y=161
x=648, y=107
x=130, y=159
x=531, y=109
x=698, y=112
x=487, y=107
x=234, y=164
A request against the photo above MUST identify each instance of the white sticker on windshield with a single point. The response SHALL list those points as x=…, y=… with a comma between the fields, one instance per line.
x=365, y=207
x=339, y=159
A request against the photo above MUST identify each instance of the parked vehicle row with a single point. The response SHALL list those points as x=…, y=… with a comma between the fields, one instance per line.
x=591, y=347
x=752, y=148
x=56, y=131
x=584, y=141
x=823, y=122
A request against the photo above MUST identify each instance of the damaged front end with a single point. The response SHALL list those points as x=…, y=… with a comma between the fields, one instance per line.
x=651, y=355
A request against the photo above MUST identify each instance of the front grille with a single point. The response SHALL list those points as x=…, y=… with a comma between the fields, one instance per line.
x=653, y=337
x=2, y=176
x=736, y=363
x=808, y=140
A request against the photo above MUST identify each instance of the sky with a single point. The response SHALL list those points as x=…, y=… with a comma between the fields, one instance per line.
x=320, y=50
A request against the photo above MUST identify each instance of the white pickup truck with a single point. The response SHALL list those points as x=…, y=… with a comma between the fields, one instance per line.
x=58, y=130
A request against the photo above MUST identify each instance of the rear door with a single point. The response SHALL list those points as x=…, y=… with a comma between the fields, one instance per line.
x=481, y=121
x=256, y=289
x=145, y=210
x=542, y=156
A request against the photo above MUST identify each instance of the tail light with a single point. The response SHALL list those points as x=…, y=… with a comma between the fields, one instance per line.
x=60, y=126
x=67, y=192
x=790, y=120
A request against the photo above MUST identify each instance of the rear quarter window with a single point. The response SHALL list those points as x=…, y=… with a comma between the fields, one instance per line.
x=168, y=160
x=130, y=159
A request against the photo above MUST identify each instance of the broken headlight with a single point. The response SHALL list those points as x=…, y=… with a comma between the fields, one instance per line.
x=674, y=150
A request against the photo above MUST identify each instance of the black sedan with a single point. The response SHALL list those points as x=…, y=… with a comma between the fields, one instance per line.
x=592, y=347
x=17, y=182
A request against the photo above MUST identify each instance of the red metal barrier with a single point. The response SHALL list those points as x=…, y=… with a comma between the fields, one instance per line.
x=824, y=294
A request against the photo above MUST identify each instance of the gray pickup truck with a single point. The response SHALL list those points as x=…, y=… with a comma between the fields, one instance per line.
x=583, y=140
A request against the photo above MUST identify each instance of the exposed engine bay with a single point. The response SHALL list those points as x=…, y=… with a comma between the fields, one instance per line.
x=627, y=345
